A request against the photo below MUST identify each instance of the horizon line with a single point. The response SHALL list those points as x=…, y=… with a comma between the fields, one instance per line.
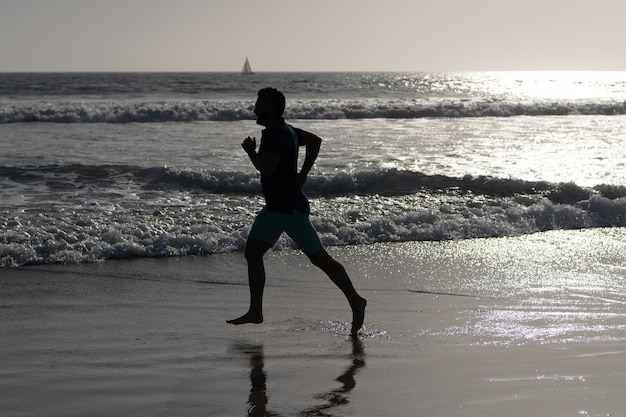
x=309, y=72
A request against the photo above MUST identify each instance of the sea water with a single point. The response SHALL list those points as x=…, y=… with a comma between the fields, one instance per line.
x=98, y=166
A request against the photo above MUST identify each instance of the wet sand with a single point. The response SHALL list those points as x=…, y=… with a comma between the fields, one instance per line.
x=534, y=325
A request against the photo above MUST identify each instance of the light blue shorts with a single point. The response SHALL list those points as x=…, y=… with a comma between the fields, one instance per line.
x=269, y=225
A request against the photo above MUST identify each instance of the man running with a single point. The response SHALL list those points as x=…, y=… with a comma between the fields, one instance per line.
x=286, y=207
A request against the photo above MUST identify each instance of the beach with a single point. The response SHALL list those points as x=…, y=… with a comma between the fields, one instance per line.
x=533, y=325
x=482, y=215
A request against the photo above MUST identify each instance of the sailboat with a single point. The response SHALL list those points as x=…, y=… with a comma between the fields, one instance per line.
x=247, y=69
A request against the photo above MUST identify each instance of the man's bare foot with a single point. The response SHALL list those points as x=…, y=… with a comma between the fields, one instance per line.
x=247, y=318
x=358, y=315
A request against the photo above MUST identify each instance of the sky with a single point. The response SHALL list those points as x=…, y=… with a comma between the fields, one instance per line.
x=306, y=35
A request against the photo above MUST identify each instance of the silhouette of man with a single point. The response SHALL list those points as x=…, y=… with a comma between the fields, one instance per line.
x=286, y=207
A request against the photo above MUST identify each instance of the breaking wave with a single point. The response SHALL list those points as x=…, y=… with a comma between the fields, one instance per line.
x=359, y=182
x=172, y=212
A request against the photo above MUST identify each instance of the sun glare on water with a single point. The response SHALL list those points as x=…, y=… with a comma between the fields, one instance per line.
x=563, y=85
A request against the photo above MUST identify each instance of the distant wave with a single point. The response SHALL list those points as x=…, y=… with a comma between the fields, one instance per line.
x=192, y=111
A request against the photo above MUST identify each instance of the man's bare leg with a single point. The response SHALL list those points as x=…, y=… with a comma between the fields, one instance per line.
x=338, y=275
x=255, y=249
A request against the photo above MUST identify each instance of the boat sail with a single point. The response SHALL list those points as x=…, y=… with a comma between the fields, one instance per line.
x=247, y=69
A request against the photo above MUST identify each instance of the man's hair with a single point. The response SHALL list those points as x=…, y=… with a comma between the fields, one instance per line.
x=275, y=98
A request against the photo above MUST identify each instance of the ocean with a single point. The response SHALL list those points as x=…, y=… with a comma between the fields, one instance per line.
x=100, y=166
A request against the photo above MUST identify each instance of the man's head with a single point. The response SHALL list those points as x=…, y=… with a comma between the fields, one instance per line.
x=270, y=105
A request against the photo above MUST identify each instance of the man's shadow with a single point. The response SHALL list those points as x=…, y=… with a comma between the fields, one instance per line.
x=258, y=399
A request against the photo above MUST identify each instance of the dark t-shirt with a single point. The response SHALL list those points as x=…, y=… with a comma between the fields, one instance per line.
x=282, y=190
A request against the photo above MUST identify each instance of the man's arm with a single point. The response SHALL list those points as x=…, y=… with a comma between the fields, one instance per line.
x=312, y=144
x=266, y=164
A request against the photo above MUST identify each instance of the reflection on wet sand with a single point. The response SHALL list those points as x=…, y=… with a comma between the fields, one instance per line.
x=339, y=396
x=258, y=399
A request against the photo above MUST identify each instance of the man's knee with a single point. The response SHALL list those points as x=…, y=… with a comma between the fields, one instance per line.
x=322, y=259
